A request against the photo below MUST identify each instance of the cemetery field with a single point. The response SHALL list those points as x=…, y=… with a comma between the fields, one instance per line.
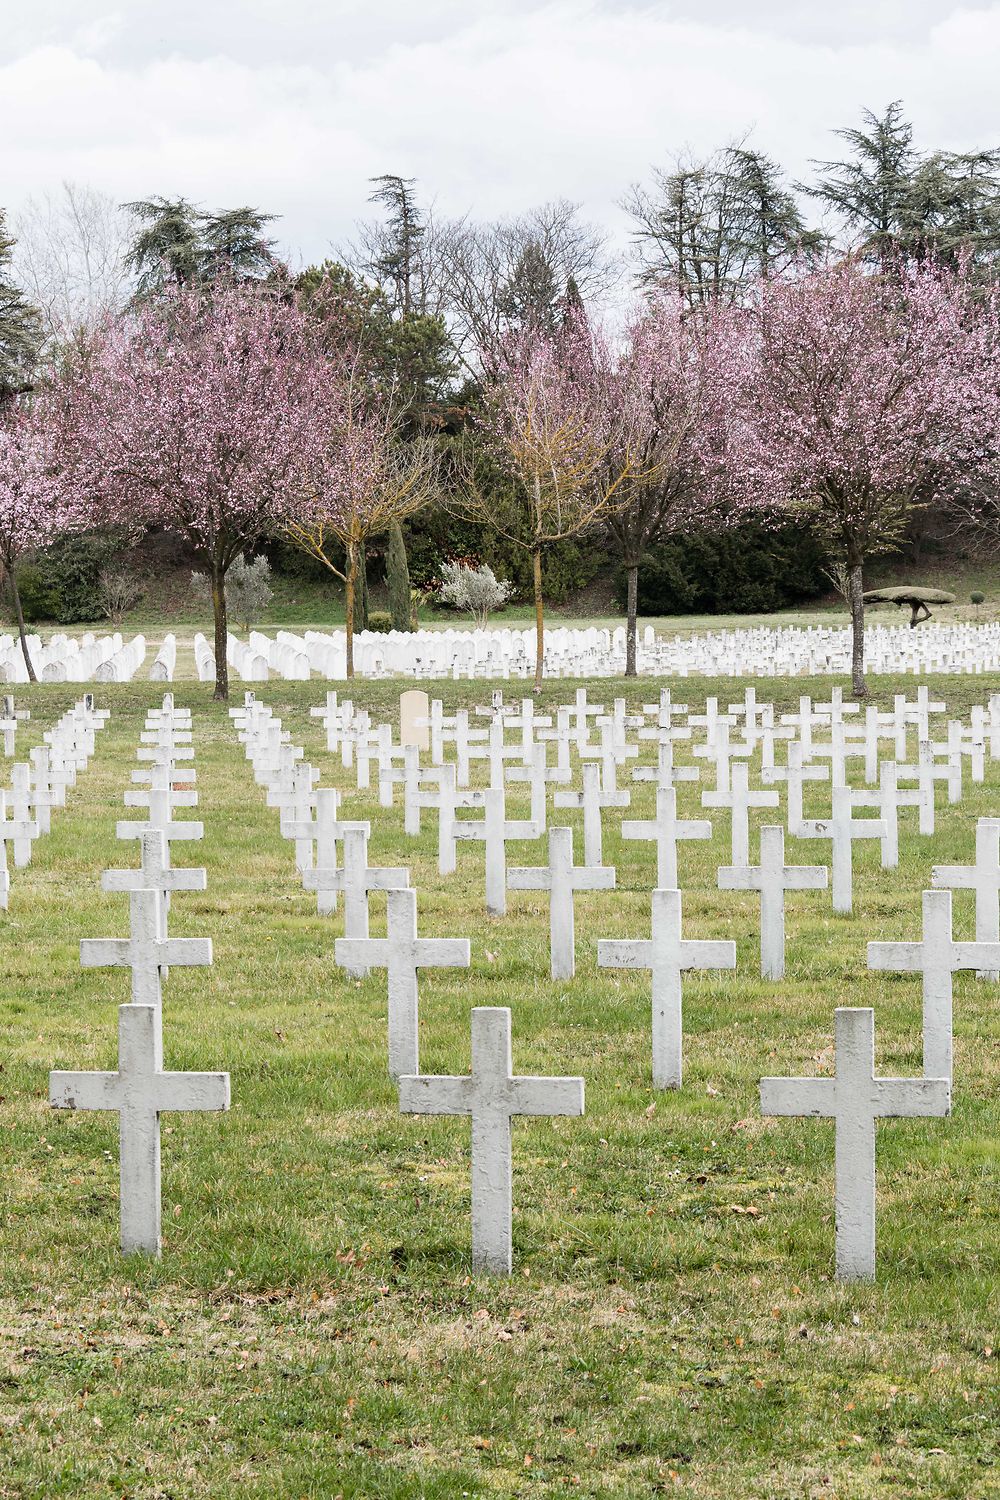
x=313, y=1329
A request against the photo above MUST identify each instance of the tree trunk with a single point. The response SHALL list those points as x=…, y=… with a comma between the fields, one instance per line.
x=631, y=614
x=398, y=578
x=536, y=573
x=856, y=588
x=16, y=595
x=221, y=693
x=350, y=584
x=361, y=595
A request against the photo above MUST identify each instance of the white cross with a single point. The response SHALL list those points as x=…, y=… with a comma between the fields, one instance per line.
x=772, y=878
x=19, y=829
x=855, y=1099
x=146, y=950
x=538, y=774
x=445, y=799
x=842, y=829
x=665, y=773
x=159, y=817
x=740, y=799
x=937, y=957
x=493, y=832
x=155, y=872
x=794, y=773
x=139, y=1091
x=355, y=879
x=984, y=878
x=667, y=956
x=561, y=878
x=664, y=830
x=324, y=830
x=401, y=953
x=591, y=799
x=492, y=1094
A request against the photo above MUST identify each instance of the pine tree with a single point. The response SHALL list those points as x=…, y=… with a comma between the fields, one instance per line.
x=20, y=327
x=167, y=249
x=233, y=245
x=871, y=187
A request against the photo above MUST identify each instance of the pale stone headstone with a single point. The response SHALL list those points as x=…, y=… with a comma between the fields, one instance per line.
x=561, y=878
x=740, y=799
x=354, y=880
x=842, y=829
x=855, y=1099
x=772, y=878
x=665, y=830
x=401, y=953
x=493, y=831
x=414, y=714
x=140, y=1091
x=667, y=955
x=492, y=1094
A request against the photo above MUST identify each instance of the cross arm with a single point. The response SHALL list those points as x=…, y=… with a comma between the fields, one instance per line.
x=443, y=953
x=546, y=1096
x=901, y=958
x=191, y=1091
x=363, y=953
x=84, y=1090
x=954, y=877
x=711, y=955
x=529, y=878
x=798, y=1096
x=900, y=1097
x=435, y=1095
x=184, y=952
x=635, y=953
x=594, y=878
x=388, y=878
x=738, y=877
x=806, y=877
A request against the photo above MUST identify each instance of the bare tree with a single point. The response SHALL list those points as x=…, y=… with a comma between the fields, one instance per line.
x=71, y=258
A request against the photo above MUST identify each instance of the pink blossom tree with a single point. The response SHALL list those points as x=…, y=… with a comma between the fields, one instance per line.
x=203, y=415
x=843, y=404
x=649, y=395
x=32, y=510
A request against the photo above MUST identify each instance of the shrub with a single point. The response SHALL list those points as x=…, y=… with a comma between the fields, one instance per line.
x=380, y=620
x=475, y=590
x=248, y=590
x=118, y=591
x=747, y=569
x=977, y=598
x=61, y=582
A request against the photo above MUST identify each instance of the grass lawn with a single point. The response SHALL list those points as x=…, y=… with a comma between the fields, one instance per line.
x=672, y=1326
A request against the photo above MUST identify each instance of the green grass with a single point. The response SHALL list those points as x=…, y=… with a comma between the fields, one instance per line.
x=672, y=1326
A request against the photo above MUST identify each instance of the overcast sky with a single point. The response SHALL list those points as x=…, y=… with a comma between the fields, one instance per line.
x=291, y=105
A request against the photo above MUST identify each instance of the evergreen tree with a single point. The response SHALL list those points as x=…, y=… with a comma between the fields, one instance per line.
x=395, y=259
x=398, y=575
x=167, y=247
x=531, y=298
x=233, y=245
x=871, y=188
x=20, y=327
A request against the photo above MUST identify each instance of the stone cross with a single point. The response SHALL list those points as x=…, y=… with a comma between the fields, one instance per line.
x=537, y=773
x=493, y=831
x=355, y=879
x=147, y=950
x=739, y=799
x=323, y=830
x=667, y=956
x=665, y=773
x=492, y=1094
x=793, y=774
x=155, y=872
x=772, y=878
x=18, y=830
x=160, y=807
x=401, y=953
x=937, y=957
x=592, y=799
x=446, y=799
x=855, y=1099
x=561, y=878
x=664, y=830
x=140, y=1091
x=984, y=878
x=842, y=829
x=4, y=875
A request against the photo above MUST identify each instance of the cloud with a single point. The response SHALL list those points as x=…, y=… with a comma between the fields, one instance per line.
x=492, y=108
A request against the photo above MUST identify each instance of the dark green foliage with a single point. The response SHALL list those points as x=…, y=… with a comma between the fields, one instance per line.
x=178, y=244
x=398, y=577
x=380, y=621
x=749, y=569
x=60, y=584
x=20, y=325
x=977, y=598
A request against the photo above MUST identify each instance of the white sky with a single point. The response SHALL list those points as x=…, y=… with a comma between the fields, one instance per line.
x=291, y=105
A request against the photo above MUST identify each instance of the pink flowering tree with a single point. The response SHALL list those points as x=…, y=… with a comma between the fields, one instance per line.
x=202, y=415
x=362, y=480
x=844, y=404
x=32, y=510
x=552, y=474
x=650, y=393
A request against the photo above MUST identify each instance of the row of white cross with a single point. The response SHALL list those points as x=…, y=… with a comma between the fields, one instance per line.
x=40, y=783
x=141, y=1089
